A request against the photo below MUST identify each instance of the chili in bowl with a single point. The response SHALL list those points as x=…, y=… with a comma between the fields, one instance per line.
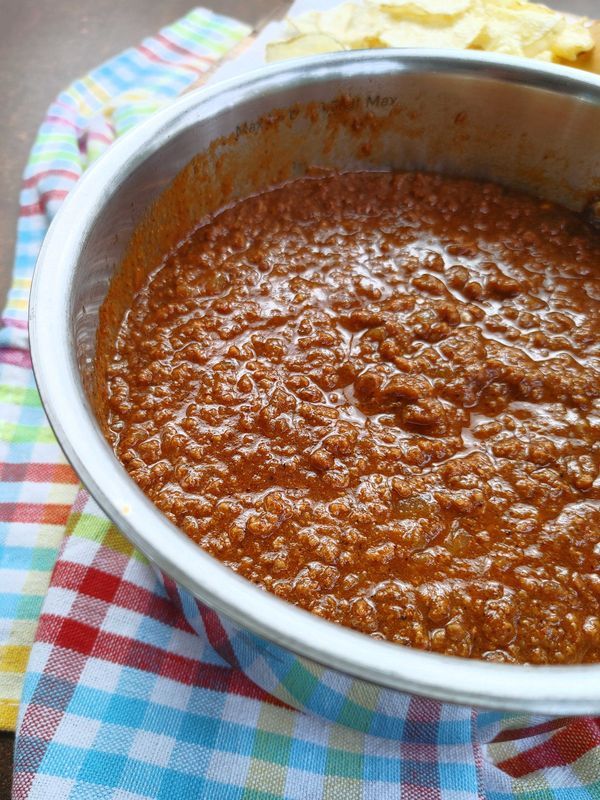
x=338, y=322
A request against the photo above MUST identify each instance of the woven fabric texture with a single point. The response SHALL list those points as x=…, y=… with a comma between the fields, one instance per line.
x=37, y=487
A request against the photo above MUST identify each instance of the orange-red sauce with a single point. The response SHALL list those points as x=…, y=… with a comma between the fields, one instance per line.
x=378, y=396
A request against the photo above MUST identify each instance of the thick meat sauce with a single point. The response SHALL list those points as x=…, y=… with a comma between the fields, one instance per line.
x=377, y=395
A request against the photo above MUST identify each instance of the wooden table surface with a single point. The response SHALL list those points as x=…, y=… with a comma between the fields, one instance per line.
x=43, y=46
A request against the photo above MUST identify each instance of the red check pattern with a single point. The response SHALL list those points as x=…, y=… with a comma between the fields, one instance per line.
x=82, y=633
x=567, y=745
x=110, y=632
x=38, y=473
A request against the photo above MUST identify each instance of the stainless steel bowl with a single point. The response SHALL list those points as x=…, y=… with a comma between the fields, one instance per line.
x=527, y=125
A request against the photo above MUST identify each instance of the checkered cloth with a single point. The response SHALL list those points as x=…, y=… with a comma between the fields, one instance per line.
x=133, y=689
x=37, y=487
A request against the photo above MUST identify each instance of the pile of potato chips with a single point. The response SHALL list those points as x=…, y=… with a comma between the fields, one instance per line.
x=512, y=27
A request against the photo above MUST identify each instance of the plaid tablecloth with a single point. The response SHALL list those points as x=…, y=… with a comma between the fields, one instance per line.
x=37, y=487
x=132, y=689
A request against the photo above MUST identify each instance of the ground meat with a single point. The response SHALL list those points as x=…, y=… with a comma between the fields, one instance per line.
x=378, y=396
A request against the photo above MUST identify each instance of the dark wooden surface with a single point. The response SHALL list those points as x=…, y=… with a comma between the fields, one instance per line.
x=43, y=46
x=6, y=745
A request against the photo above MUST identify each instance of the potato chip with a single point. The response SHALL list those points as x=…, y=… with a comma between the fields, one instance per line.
x=513, y=27
x=303, y=45
x=432, y=11
x=520, y=30
x=305, y=23
x=414, y=34
x=351, y=24
x=573, y=38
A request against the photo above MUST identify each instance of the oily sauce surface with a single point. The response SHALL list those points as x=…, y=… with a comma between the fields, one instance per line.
x=377, y=396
